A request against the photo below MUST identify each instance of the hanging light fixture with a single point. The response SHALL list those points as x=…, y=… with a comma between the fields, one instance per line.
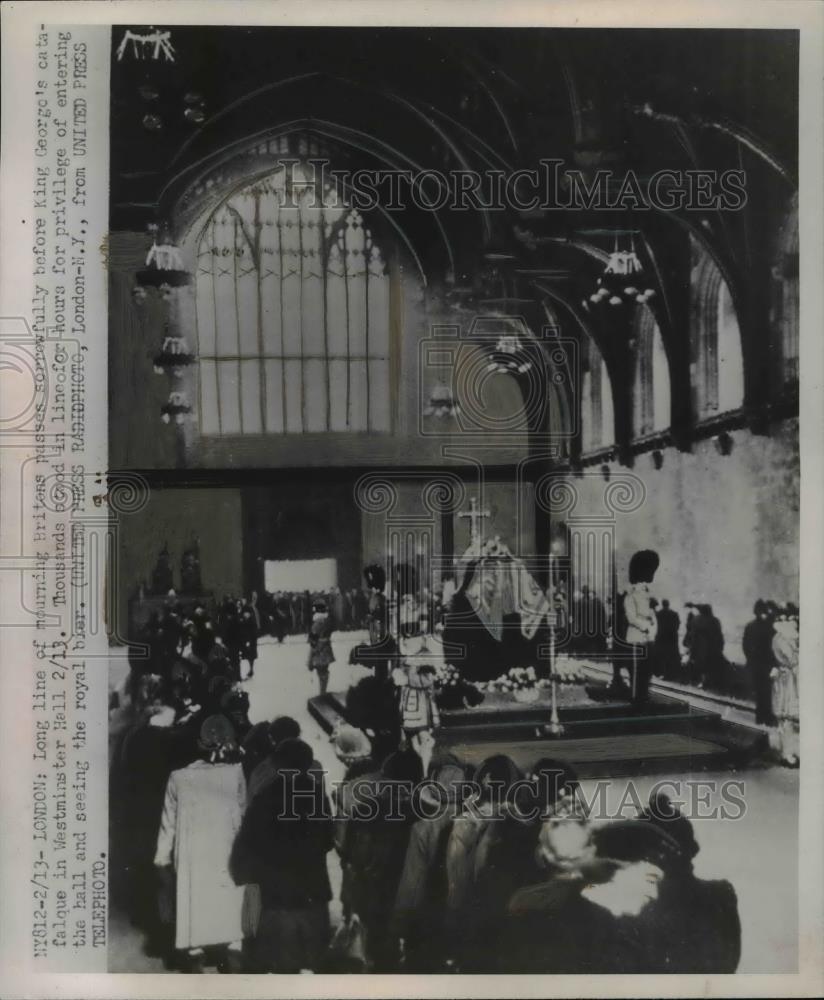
x=441, y=403
x=174, y=356
x=164, y=263
x=164, y=270
x=508, y=334
x=618, y=285
x=511, y=357
x=177, y=409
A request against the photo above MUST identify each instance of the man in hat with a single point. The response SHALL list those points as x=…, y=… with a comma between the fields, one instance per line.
x=321, y=656
x=757, y=646
x=707, y=663
x=248, y=636
x=642, y=625
x=267, y=769
x=666, y=655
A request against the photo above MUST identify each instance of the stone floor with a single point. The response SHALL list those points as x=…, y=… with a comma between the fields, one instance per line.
x=756, y=852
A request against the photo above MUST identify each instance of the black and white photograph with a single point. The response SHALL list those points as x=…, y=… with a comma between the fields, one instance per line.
x=411, y=456
x=463, y=605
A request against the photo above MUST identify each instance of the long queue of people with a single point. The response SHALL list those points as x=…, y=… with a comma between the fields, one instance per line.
x=223, y=832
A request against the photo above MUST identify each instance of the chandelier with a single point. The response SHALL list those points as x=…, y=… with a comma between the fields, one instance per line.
x=441, y=403
x=164, y=268
x=164, y=273
x=174, y=356
x=177, y=408
x=622, y=279
x=509, y=356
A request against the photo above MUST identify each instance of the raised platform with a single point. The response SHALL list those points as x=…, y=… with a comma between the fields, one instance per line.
x=600, y=737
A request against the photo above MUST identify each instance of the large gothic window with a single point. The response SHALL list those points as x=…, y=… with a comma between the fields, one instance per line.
x=716, y=363
x=651, y=389
x=597, y=414
x=786, y=304
x=292, y=305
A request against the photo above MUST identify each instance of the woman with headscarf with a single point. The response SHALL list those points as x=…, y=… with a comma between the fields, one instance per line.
x=202, y=813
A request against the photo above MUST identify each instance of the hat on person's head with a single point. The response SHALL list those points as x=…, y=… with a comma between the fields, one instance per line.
x=235, y=700
x=552, y=780
x=294, y=755
x=446, y=780
x=642, y=566
x=375, y=576
x=351, y=744
x=668, y=817
x=319, y=606
x=217, y=733
x=497, y=774
x=760, y=607
x=633, y=840
x=284, y=727
x=402, y=765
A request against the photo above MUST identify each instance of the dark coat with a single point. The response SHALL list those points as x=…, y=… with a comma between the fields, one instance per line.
x=550, y=928
x=420, y=904
x=757, y=643
x=692, y=927
x=282, y=844
x=373, y=849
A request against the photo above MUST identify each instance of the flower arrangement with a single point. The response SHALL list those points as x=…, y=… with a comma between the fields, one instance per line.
x=452, y=691
x=521, y=682
x=567, y=670
x=516, y=679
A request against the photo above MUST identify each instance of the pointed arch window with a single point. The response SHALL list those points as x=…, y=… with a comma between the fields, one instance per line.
x=292, y=312
x=597, y=415
x=716, y=362
x=786, y=303
x=651, y=389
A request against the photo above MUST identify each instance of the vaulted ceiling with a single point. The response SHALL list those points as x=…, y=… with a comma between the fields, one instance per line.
x=484, y=100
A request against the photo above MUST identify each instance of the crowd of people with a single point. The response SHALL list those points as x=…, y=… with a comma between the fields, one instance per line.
x=488, y=870
x=222, y=831
x=289, y=612
x=691, y=652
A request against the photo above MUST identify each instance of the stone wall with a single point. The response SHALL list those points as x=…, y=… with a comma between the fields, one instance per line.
x=725, y=526
x=173, y=516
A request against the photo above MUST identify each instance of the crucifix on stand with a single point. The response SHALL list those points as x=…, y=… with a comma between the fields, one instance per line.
x=476, y=518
